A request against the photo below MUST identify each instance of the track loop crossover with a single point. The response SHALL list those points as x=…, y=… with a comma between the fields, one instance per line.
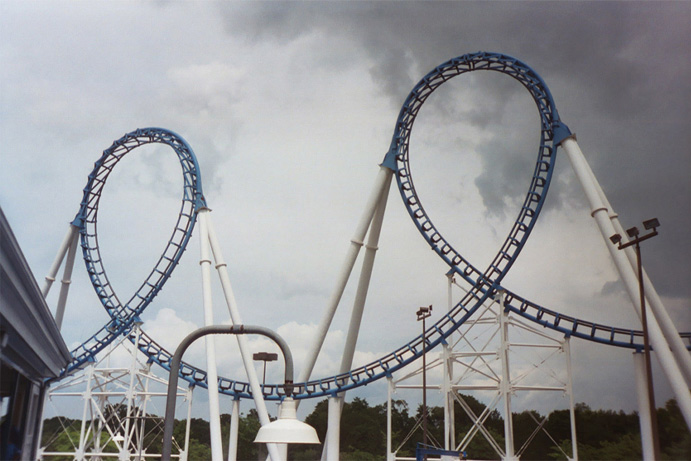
x=484, y=284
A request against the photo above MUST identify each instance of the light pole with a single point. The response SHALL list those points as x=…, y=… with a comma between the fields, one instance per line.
x=422, y=314
x=286, y=429
x=633, y=233
x=264, y=357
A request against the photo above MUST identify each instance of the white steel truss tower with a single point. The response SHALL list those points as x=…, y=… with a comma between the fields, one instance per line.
x=499, y=355
x=117, y=418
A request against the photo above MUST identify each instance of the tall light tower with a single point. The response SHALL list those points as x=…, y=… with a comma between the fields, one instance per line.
x=264, y=357
x=633, y=233
x=422, y=314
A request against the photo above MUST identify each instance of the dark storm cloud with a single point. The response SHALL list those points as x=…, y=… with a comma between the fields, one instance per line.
x=599, y=45
x=620, y=73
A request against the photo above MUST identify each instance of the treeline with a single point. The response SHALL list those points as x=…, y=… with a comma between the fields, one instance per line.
x=601, y=434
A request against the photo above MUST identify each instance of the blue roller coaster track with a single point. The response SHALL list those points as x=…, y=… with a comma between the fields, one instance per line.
x=484, y=284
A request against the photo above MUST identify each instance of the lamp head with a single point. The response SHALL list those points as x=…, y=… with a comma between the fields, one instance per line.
x=651, y=224
x=424, y=312
x=265, y=356
x=633, y=232
x=616, y=239
x=287, y=428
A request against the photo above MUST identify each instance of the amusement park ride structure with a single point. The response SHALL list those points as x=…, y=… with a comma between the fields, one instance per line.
x=484, y=292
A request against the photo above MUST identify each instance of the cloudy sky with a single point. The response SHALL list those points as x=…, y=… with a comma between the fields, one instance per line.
x=290, y=107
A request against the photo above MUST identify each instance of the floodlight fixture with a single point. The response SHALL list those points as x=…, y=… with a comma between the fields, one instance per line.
x=424, y=312
x=651, y=224
x=632, y=232
x=265, y=356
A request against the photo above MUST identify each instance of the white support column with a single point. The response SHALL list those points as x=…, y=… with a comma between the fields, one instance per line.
x=86, y=396
x=72, y=233
x=333, y=436
x=389, y=390
x=363, y=283
x=644, y=417
x=657, y=339
x=97, y=427
x=447, y=379
x=188, y=427
x=569, y=389
x=233, y=435
x=212, y=373
x=231, y=303
x=505, y=386
x=445, y=389
x=361, y=293
x=69, y=248
x=146, y=398
x=382, y=183
x=130, y=396
x=66, y=278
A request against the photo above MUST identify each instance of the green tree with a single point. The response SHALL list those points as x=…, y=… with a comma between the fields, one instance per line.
x=402, y=424
x=527, y=422
x=61, y=434
x=479, y=447
x=247, y=431
x=198, y=451
x=675, y=438
x=318, y=418
x=626, y=448
x=584, y=451
x=602, y=434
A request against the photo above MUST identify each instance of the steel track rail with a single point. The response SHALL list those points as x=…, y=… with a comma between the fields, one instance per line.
x=122, y=315
x=484, y=285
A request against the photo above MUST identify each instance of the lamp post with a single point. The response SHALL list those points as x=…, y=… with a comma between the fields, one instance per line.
x=422, y=314
x=264, y=357
x=286, y=429
x=633, y=233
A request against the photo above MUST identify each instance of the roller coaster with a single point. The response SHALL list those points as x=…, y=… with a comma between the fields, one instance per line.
x=482, y=285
